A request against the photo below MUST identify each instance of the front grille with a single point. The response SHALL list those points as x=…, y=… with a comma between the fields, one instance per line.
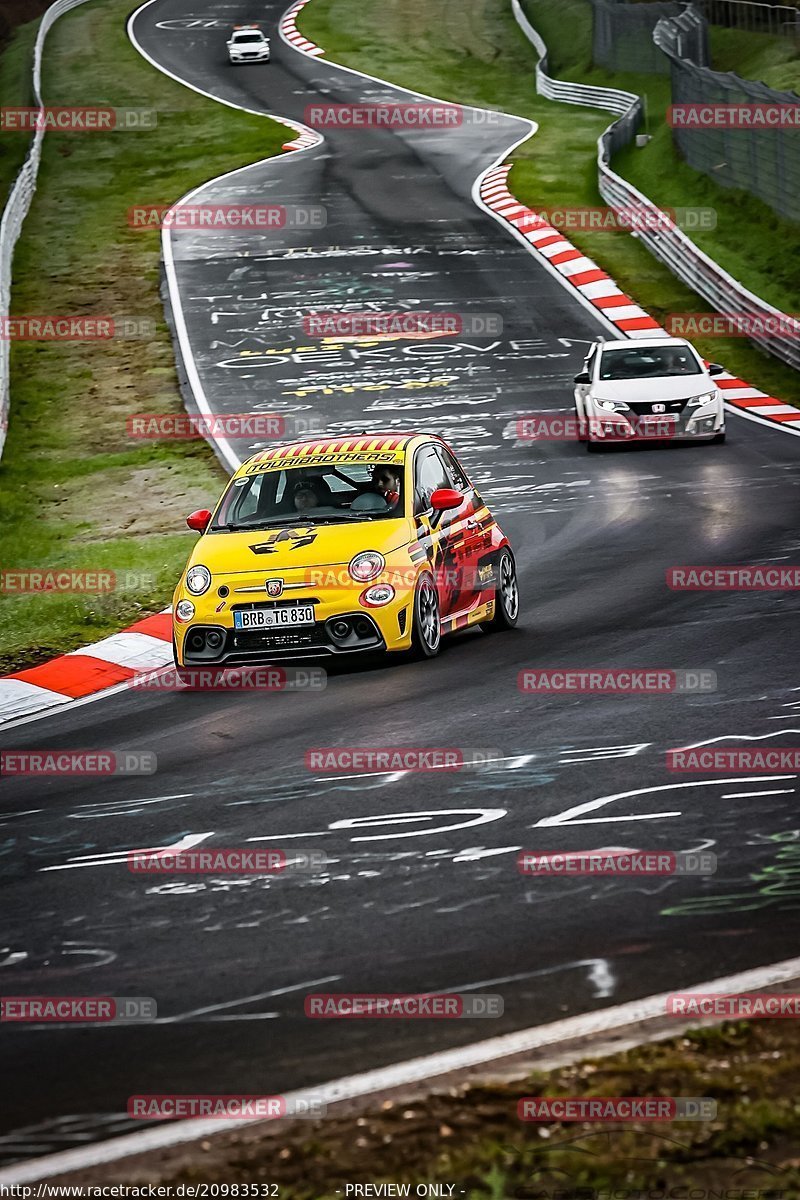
x=257, y=640
x=644, y=408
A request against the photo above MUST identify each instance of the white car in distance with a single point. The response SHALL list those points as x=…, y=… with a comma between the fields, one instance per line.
x=248, y=44
x=656, y=389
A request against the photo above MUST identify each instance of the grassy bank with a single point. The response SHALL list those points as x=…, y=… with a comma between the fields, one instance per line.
x=476, y=54
x=16, y=65
x=471, y=1139
x=75, y=491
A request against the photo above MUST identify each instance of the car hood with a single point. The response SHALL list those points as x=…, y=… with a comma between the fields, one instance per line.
x=283, y=547
x=676, y=387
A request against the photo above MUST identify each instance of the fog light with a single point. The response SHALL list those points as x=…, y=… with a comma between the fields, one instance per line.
x=377, y=595
x=184, y=610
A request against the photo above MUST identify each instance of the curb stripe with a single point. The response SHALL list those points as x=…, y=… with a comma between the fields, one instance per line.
x=287, y=27
x=142, y=647
x=600, y=290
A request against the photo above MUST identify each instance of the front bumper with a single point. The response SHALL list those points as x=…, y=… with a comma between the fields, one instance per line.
x=237, y=56
x=692, y=424
x=209, y=639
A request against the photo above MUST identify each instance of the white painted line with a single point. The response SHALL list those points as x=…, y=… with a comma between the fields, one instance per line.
x=750, y=415
x=222, y=446
x=415, y=1070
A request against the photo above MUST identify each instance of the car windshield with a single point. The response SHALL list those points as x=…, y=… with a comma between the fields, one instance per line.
x=329, y=494
x=649, y=361
x=248, y=37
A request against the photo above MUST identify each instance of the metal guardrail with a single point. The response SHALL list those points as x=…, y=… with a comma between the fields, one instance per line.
x=781, y=20
x=665, y=241
x=19, y=202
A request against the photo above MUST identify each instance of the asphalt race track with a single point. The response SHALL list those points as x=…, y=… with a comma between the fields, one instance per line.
x=422, y=890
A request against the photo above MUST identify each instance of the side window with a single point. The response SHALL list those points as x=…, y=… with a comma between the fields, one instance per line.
x=429, y=474
x=457, y=477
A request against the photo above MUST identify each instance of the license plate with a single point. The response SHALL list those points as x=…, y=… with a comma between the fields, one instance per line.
x=659, y=419
x=274, y=618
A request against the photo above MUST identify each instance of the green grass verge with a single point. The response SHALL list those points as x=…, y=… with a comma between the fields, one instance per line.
x=474, y=53
x=470, y=1138
x=16, y=65
x=75, y=491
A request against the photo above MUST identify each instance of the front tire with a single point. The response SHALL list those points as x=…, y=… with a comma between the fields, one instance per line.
x=426, y=630
x=506, y=596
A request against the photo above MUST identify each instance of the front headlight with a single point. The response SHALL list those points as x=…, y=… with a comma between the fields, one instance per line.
x=706, y=398
x=366, y=566
x=198, y=580
x=611, y=405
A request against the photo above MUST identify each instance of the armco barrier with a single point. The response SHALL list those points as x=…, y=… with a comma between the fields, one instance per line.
x=666, y=242
x=19, y=201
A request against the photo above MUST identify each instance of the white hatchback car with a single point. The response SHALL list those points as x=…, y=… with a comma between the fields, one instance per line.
x=248, y=44
x=653, y=389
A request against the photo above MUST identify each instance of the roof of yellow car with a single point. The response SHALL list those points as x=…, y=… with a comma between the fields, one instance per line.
x=361, y=443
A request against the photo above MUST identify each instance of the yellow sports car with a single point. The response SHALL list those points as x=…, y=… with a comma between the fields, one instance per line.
x=342, y=545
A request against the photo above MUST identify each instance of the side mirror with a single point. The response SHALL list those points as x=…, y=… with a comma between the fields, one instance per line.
x=715, y=369
x=583, y=377
x=199, y=520
x=444, y=498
